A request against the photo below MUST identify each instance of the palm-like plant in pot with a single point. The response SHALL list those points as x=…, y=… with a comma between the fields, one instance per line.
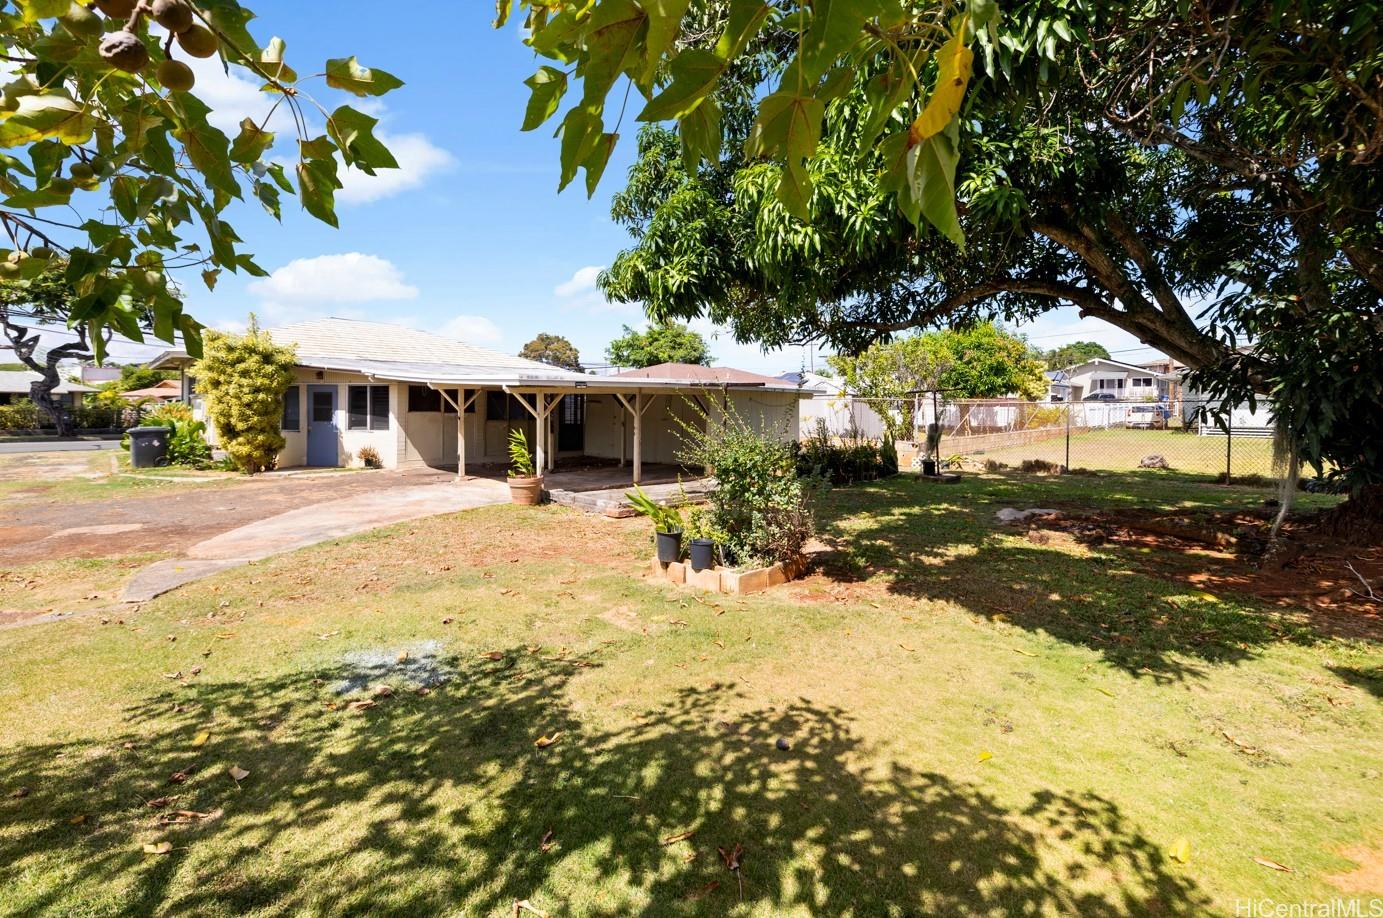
x=667, y=524
x=525, y=484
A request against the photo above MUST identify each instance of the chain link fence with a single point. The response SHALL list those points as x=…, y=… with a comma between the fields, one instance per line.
x=1185, y=436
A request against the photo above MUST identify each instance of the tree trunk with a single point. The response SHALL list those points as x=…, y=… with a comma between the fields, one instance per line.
x=24, y=342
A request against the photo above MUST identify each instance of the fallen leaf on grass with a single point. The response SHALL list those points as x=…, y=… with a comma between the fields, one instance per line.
x=1104, y=691
x=984, y=756
x=547, y=843
x=78, y=820
x=720, y=644
x=543, y=742
x=907, y=648
x=733, y=857
x=1026, y=653
x=676, y=621
x=20, y=793
x=382, y=691
x=179, y=777
x=523, y=905
x=363, y=705
x=402, y=657
x=238, y=774
x=703, y=891
x=1272, y=865
x=1180, y=850
x=201, y=739
x=180, y=816
x=492, y=655
x=159, y=803
x=327, y=635
x=674, y=839
x=159, y=848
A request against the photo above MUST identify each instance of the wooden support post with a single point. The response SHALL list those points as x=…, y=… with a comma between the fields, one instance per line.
x=460, y=407
x=638, y=437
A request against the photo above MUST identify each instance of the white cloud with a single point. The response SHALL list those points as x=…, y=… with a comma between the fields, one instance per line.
x=580, y=292
x=235, y=96
x=476, y=330
x=418, y=159
x=583, y=281
x=331, y=279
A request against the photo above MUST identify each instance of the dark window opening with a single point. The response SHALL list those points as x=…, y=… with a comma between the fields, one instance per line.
x=422, y=398
x=367, y=408
x=322, y=405
x=292, y=409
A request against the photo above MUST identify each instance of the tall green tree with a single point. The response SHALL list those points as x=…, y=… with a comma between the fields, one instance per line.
x=1108, y=162
x=1075, y=353
x=662, y=342
x=981, y=361
x=112, y=176
x=554, y=350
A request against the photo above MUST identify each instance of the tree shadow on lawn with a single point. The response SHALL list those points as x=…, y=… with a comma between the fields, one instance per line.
x=426, y=804
x=943, y=543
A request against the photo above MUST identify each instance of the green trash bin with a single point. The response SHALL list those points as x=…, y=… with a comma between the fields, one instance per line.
x=149, y=447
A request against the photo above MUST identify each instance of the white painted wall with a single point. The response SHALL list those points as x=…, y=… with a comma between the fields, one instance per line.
x=388, y=443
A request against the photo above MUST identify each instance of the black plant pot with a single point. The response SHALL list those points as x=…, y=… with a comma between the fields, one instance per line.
x=669, y=546
x=929, y=467
x=703, y=554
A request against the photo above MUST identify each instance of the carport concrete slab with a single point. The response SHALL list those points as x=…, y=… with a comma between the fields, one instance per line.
x=310, y=526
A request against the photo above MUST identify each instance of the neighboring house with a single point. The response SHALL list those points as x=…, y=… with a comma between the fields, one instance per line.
x=98, y=376
x=1124, y=381
x=1058, y=386
x=15, y=386
x=1172, y=371
x=420, y=399
x=843, y=414
x=170, y=390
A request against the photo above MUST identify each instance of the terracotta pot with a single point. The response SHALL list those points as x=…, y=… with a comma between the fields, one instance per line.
x=527, y=491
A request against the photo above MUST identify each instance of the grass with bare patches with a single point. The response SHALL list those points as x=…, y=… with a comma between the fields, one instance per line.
x=975, y=724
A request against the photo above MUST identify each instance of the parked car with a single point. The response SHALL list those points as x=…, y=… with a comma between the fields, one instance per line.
x=1148, y=417
x=1101, y=397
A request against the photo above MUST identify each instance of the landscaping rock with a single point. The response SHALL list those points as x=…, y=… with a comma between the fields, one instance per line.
x=1155, y=461
x=1010, y=515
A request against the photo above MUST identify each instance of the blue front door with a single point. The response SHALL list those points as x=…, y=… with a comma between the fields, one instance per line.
x=321, y=426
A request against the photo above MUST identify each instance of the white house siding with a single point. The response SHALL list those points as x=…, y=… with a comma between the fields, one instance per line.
x=388, y=443
x=663, y=435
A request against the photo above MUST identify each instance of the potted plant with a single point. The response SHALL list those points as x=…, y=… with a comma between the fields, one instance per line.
x=525, y=484
x=667, y=524
x=702, y=545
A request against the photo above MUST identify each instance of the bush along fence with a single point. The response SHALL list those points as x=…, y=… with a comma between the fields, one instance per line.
x=24, y=417
x=1183, y=436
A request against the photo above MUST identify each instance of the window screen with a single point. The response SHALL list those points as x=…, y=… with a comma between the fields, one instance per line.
x=368, y=408
x=292, y=409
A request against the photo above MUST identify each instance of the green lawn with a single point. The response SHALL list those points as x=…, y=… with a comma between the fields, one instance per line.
x=976, y=724
x=1121, y=449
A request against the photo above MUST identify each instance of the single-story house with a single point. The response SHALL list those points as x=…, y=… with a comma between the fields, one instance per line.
x=1125, y=381
x=419, y=399
x=169, y=390
x=15, y=386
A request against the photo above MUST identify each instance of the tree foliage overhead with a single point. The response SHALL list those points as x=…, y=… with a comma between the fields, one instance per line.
x=677, y=54
x=243, y=378
x=553, y=350
x=1203, y=176
x=110, y=168
x=662, y=342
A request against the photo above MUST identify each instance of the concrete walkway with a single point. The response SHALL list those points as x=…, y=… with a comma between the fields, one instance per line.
x=309, y=526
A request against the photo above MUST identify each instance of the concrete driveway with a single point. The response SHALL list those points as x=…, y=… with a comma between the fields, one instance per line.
x=186, y=520
x=307, y=526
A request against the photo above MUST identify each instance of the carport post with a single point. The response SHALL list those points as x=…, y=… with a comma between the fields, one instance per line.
x=460, y=423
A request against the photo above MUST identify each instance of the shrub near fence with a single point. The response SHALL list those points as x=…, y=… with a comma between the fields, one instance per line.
x=23, y=416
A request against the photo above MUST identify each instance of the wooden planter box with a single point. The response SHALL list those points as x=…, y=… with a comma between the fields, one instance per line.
x=726, y=580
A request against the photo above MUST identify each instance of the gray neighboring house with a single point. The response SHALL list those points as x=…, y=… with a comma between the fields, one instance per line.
x=15, y=386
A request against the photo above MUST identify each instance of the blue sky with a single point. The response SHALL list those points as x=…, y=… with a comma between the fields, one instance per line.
x=470, y=238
